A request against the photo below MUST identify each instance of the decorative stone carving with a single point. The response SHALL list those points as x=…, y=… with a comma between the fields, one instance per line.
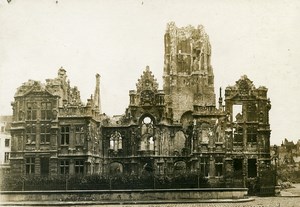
x=147, y=82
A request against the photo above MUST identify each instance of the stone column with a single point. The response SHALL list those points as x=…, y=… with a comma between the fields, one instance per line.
x=212, y=169
x=72, y=167
x=38, y=134
x=37, y=166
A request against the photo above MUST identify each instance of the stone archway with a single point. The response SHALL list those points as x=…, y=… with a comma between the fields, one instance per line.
x=179, y=167
x=115, y=168
x=186, y=119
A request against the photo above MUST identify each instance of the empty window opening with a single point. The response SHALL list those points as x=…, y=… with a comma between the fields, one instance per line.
x=147, y=132
x=238, y=135
x=219, y=166
x=252, y=135
x=237, y=112
x=115, y=141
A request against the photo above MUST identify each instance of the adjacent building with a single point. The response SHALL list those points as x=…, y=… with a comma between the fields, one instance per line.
x=5, y=144
x=53, y=132
x=177, y=129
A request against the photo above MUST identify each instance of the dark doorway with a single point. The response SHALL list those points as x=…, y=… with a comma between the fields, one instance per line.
x=238, y=168
x=252, y=169
x=44, y=166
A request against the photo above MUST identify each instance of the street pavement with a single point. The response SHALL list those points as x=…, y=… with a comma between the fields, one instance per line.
x=258, y=202
x=289, y=198
x=287, y=201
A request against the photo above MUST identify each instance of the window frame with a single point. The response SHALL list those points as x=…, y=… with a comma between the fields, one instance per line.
x=31, y=111
x=7, y=143
x=65, y=135
x=79, y=135
x=45, y=134
x=6, y=157
x=116, y=141
x=30, y=165
x=79, y=167
x=30, y=134
x=204, y=166
x=252, y=134
x=64, y=167
x=46, y=111
x=219, y=166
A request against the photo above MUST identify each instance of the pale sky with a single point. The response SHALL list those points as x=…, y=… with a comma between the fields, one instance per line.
x=118, y=39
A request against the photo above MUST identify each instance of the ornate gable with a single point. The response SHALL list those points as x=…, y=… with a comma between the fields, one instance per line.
x=32, y=87
x=147, y=82
x=243, y=87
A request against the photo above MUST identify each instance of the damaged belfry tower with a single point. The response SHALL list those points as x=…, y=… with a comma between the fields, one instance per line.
x=188, y=74
x=178, y=129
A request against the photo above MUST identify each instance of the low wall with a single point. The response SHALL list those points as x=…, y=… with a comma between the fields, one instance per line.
x=125, y=195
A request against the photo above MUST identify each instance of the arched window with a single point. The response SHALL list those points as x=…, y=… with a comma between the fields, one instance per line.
x=147, y=134
x=115, y=142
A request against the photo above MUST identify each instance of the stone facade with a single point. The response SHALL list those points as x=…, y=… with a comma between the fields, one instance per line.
x=53, y=132
x=164, y=132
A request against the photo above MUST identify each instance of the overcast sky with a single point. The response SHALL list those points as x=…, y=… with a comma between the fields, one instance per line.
x=118, y=39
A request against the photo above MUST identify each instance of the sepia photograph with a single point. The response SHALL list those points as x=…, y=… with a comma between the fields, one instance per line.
x=150, y=103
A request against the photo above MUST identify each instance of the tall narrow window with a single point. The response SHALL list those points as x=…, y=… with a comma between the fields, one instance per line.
x=30, y=165
x=30, y=134
x=238, y=135
x=219, y=166
x=46, y=111
x=116, y=141
x=64, y=167
x=252, y=112
x=45, y=134
x=65, y=135
x=151, y=143
x=79, y=167
x=147, y=132
x=31, y=110
x=237, y=112
x=252, y=134
x=204, y=166
x=6, y=157
x=79, y=134
x=7, y=142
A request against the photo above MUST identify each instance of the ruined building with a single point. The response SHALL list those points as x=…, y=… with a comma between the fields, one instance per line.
x=170, y=131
